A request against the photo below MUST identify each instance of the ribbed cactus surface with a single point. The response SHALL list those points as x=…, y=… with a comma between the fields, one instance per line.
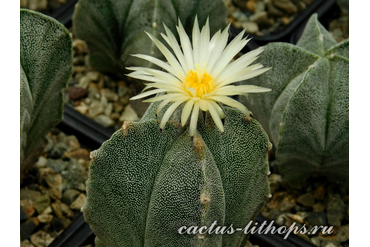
x=114, y=30
x=145, y=184
x=307, y=112
x=45, y=66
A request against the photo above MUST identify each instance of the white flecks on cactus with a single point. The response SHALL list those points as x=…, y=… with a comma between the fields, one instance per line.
x=307, y=112
x=45, y=66
x=115, y=29
x=146, y=183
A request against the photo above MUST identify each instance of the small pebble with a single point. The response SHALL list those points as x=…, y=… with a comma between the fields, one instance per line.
x=251, y=27
x=41, y=238
x=75, y=93
x=306, y=200
x=45, y=218
x=104, y=120
x=335, y=210
x=79, y=202
x=129, y=114
x=319, y=193
x=70, y=195
x=41, y=162
x=250, y=5
x=317, y=219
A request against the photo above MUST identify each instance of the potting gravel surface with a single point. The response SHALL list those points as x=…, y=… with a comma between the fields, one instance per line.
x=100, y=97
x=264, y=17
x=53, y=191
x=315, y=202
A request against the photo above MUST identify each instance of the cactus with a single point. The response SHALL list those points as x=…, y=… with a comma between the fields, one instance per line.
x=115, y=29
x=154, y=183
x=307, y=113
x=145, y=183
x=45, y=66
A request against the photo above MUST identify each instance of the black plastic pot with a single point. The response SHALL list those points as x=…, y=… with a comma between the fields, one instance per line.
x=88, y=132
x=65, y=12
x=328, y=11
x=318, y=6
x=62, y=13
x=77, y=234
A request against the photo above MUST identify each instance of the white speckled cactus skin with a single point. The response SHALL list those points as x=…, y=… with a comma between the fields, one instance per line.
x=307, y=113
x=114, y=29
x=144, y=183
x=45, y=66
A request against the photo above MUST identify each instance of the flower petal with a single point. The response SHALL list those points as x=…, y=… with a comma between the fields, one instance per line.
x=172, y=96
x=217, y=46
x=252, y=74
x=237, y=90
x=194, y=119
x=196, y=40
x=204, y=44
x=168, y=87
x=186, y=111
x=218, y=109
x=251, y=89
x=169, y=56
x=169, y=112
x=234, y=77
x=141, y=75
x=192, y=91
x=163, y=104
x=216, y=117
x=231, y=102
x=186, y=46
x=241, y=62
x=172, y=41
x=158, y=62
x=151, y=92
x=165, y=77
x=204, y=104
x=229, y=53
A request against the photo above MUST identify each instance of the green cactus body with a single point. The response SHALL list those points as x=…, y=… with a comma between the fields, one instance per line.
x=307, y=113
x=45, y=66
x=145, y=184
x=114, y=29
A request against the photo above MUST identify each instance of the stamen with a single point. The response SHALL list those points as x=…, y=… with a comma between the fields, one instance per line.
x=200, y=80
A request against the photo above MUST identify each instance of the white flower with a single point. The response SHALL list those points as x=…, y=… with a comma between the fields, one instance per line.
x=199, y=74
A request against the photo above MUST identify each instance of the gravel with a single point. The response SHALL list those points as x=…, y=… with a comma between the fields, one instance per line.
x=264, y=17
x=100, y=97
x=315, y=202
x=53, y=191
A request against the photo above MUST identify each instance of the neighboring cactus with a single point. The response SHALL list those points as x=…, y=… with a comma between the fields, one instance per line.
x=115, y=29
x=45, y=66
x=307, y=112
x=145, y=183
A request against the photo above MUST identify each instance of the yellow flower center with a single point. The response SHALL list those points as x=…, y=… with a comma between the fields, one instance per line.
x=200, y=80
